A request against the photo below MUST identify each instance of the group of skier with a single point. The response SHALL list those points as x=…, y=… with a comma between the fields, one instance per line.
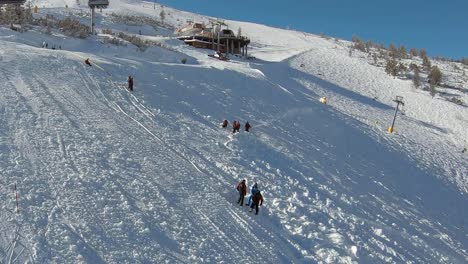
x=45, y=45
x=255, y=199
x=129, y=79
x=236, y=125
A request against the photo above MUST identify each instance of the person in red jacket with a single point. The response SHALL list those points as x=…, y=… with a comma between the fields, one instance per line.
x=238, y=125
x=234, y=126
x=242, y=189
x=257, y=199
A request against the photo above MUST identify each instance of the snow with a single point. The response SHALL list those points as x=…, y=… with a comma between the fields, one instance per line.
x=106, y=176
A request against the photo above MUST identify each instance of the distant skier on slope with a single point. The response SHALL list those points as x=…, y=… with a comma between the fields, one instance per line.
x=242, y=189
x=253, y=191
x=238, y=125
x=225, y=123
x=234, y=126
x=257, y=200
x=87, y=62
x=130, y=83
x=247, y=126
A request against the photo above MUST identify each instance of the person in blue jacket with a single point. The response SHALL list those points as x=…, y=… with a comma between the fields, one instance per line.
x=253, y=191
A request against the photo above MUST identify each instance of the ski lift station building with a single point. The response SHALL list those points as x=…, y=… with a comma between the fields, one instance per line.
x=214, y=38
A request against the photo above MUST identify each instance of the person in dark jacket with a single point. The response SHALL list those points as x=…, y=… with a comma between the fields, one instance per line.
x=247, y=126
x=130, y=83
x=257, y=200
x=253, y=191
x=225, y=123
x=87, y=62
x=242, y=189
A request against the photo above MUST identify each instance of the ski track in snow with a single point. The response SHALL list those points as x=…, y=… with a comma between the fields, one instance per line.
x=105, y=175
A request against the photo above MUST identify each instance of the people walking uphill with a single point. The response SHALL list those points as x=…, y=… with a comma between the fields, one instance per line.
x=238, y=125
x=242, y=189
x=87, y=62
x=234, y=125
x=225, y=123
x=130, y=83
x=257, y=200
x=247, y=126
x=253, y=191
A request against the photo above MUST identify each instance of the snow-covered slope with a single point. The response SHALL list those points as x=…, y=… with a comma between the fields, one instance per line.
x=108, y=176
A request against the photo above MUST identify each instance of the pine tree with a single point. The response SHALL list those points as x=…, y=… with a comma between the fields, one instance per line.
x=162, y=15
x=426, y=63
x=414, y=52
x=391, y=67
x=401, y=68
x=369, y=45
x=374, y=57
x=393, y=51
x=402, y=52
x=416, y=77
x=432, y=90
x=358, y=44
x=422, y=53
x=435, y=76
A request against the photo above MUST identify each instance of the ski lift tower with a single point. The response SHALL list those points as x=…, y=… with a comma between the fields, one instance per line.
x=93, y=4
x=216, y=30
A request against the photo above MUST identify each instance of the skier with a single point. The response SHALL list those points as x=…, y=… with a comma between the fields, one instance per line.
x=238, y=125
x=130, y=83
x=247, y=126
x=256, y=200
x=234, y=126
x=242, y=189
x=225, y=123
x=43, y=44
x=253, y=191
x=87, y=62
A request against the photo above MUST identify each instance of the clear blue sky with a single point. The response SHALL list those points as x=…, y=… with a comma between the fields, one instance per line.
x=439, y=26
